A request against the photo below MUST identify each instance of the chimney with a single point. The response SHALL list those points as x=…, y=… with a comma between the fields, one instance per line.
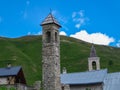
x=9, y=65
x=64, y=70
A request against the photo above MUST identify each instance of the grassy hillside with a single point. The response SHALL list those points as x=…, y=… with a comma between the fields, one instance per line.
x=26, y=51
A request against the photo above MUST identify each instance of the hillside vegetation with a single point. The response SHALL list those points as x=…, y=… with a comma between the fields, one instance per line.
x=26, y=52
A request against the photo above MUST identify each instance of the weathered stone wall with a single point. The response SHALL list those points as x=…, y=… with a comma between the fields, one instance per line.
x=51, y=57
x=65, y=87
x=17, y=87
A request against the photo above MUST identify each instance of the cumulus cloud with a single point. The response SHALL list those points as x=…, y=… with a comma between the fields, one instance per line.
x=79, y=18
x=118, y=44
x=96, y=38
x=29, y=33
x=32, y=33
x=63, y=33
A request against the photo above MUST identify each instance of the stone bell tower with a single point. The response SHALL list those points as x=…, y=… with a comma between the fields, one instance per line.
x=93, y=60
x=50, y=53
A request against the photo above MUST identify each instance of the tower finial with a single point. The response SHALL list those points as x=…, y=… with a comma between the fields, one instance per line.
x=50, y=11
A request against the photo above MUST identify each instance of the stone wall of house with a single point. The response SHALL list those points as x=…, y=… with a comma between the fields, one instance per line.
x=3, y=81
x=65, y=87
x=21, y=87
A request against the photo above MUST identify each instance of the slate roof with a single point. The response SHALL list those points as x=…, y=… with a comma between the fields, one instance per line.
x=50, y=20
x=11, y=71
x=112, y=81
x=89, y=77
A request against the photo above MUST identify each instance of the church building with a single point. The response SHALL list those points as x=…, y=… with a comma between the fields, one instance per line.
x=93, y=79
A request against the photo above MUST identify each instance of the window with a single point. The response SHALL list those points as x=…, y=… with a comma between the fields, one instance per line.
x=48, y=36
x=56, y=38
x=94, y=65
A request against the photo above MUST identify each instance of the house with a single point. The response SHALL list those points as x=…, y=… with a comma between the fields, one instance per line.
x=12, y=75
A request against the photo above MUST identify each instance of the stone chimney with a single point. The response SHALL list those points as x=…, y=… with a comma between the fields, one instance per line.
x=64, y=70
x=9, y=65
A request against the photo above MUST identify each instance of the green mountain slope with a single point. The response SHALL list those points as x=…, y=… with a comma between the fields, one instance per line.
x=26, y=52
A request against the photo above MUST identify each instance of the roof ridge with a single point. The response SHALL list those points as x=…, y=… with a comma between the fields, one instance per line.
x=88, y=71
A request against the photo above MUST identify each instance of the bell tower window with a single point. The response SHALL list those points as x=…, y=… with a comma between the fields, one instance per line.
x=56, y=37
x=94, y=65
x=48, y=36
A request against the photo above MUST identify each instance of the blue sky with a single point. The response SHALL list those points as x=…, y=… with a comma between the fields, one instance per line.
x=95, y=21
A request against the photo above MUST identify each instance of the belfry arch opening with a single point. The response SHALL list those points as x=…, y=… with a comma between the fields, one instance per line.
x=94, y=66
x=56, y=37
x=48, y=36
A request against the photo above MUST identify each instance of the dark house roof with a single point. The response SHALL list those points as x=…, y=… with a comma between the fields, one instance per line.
x=9, y=71
x=13, y=71
x=81, y=78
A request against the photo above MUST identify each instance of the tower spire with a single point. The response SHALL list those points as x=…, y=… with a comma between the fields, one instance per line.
x=50, y=20
x=93, y=60
x=93, y=51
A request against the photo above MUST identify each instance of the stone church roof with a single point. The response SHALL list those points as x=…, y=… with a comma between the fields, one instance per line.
x=50, y=19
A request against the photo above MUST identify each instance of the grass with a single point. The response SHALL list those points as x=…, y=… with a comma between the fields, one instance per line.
x=27, y=52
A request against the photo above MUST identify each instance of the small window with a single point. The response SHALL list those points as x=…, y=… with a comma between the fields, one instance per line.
x=48, y=37
x=94, y=65
x=56, y=37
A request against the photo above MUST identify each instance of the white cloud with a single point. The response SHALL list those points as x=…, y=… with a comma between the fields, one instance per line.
x=78, y=25
x=39, y=33
x=96, y=38
x=32, y=33
x=73, y=14
x=29, y=33
x=63, y=33
x=25, y=11
x=79, y=18
x=118, y=44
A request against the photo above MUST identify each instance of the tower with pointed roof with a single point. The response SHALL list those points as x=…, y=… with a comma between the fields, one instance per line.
x=51, y=53
x=93, y=60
